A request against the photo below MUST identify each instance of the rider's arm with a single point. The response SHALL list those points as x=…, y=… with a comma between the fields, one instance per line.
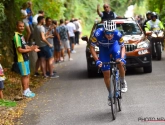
x=93, y=52
x=92, y=47
x=148, y=27
x=161, y=25
x=122, y=51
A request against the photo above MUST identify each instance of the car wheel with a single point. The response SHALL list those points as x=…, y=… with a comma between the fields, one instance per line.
x=147, y=69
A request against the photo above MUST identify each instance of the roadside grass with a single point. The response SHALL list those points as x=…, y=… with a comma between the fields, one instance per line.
x=13, y=92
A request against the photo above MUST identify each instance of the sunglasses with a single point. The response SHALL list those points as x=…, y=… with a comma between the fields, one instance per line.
x=106, y=6
x=109, y=33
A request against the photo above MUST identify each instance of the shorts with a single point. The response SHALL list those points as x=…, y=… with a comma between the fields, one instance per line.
x=24, y=68
x=105, y=53
x=72, y=40
x=1, y=85
x=65, y=44
x=45, y=52
x=57, y=47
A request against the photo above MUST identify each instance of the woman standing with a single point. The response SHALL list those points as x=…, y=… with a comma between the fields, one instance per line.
x=26, y=21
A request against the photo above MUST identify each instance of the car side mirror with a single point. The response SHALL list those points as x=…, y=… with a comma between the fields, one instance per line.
x=84, y=38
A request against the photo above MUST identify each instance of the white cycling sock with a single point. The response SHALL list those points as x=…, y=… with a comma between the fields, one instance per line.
x=122, y=79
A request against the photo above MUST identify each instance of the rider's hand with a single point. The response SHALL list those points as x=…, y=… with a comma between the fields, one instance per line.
x=98, y=63
x=123, y=61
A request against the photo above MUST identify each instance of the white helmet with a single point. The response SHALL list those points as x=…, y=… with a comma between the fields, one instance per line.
x=109, y=25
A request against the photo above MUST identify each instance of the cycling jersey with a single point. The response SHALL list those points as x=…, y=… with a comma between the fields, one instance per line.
x=107, y=47
x=99, y=38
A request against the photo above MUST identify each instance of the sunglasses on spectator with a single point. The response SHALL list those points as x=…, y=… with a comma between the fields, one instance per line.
x=106, y=6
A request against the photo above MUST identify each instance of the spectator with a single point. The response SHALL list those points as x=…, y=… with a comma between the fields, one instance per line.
x=64, y=35
x=40, y=13
x=2, y=78
x=30, y=13
x=45, y=47
x=80, y=27
x=71, y=29
x=77, y=32
x=57, y=43
x=50, y=30
x=26, y=21
x=107, y=14
x=21, y=50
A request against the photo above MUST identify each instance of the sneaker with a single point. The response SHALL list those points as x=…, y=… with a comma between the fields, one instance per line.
x=73, y=51
x=29, y=94
x=36, y=74
x=54, y=76
x=70, y=59
x=46, y=76
x=124, y=87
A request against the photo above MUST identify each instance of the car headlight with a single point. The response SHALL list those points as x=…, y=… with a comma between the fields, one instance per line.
x=143, y=44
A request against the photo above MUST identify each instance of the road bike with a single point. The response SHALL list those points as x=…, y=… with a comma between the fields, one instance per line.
x=115, y=88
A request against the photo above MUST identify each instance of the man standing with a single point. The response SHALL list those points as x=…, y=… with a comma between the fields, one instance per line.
x=21, y=51
x=107, y=14
x=63, y=32
x=44, y=45
x=71, y=29
x=77, y=32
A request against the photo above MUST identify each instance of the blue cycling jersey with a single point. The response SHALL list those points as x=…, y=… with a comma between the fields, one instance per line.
x=99, y=38
x=107, y=47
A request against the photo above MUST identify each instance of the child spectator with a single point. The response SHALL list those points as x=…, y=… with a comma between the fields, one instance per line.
x=2, y=78
x=25, y=17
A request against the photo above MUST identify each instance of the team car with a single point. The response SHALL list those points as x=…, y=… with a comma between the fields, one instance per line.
x=137, y=46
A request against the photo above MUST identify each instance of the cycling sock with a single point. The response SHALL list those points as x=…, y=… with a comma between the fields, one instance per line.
x=122, y=79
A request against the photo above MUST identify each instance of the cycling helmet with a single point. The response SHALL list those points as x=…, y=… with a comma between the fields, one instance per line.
x=154, y=15
x=109, y=26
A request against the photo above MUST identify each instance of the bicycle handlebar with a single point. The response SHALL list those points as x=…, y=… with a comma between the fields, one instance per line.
x=110, y=63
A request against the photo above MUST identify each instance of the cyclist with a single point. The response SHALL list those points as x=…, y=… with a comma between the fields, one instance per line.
x=110, y=42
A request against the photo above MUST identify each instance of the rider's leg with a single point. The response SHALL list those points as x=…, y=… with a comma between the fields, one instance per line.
x=117, y=55
x=107, y=79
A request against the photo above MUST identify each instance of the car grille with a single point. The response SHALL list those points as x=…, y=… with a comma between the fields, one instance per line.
x=131, y=61
x=130, y=47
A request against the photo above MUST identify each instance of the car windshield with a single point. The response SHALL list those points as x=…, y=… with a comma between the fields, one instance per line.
x=126, y=28
x=129, y=29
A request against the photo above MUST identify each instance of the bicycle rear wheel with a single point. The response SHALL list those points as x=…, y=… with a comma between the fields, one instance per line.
x=113, y=98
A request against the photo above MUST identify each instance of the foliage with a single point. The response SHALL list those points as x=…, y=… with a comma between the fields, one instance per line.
x=157, y=6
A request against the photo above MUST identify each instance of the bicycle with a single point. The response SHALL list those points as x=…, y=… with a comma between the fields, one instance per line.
x=115, y=88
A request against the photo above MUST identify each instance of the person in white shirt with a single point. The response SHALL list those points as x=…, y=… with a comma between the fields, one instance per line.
x=71, y=30
x=40, y=13
x=26, y=21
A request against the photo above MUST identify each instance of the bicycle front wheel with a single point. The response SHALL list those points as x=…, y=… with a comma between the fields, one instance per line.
x=113, y=98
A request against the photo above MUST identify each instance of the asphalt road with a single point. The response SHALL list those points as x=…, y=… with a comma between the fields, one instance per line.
x=75, y=99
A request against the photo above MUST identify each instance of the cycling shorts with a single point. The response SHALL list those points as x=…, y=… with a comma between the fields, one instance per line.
x=105, y=53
